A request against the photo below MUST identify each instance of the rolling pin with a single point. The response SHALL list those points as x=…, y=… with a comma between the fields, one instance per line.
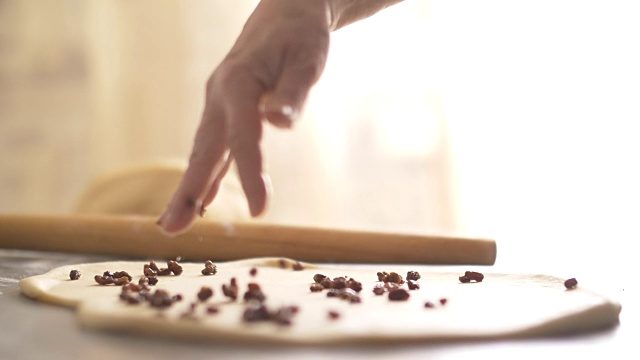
x=139, y=237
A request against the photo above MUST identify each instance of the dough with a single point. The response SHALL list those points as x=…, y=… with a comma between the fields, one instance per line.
x=501, y=306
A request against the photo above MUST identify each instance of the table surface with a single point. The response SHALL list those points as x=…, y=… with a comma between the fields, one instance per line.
x=30, y=330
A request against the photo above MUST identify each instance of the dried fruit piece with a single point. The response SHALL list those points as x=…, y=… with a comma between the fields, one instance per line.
x=413, y=285
x=333, y=315
x=209, y=268
x=254, y=293
x=398, y=295
x=378, y=290
x=205, y=293
x=253, y=271
x=318, y=277
x=413, y=275
x=571, y=283
x=298, y=266
x=231, y=291
x=74, y=275
x=174, y=267
x=315, y=287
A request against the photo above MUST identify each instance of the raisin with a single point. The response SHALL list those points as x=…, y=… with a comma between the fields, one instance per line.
x=443, y=301
x=429, y=304
x=253, y=271
x=464, y=279
x=395, y=278
x=378, y=290
x=231, y=291
x=209, y=268
x=474, y=276
x=571, y=283
x=298, y=266
x=148, y=271
x=327, y=283
x=318, y=277
x=413, y=285
x=153, y=266
x=164, y=272
x=254, y=293
x=174, y=267
x=398, y=295
x=103, y=280
x=205, y=293
x=354, y=285
x=339, y=283
x=213, y=310
x=315, y=287
x=74, y=275
x=413, y=275
x=333, y=315
x=256, y=314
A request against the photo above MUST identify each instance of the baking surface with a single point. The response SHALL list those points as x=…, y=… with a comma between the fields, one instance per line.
x=501, y=306
x=30, y=330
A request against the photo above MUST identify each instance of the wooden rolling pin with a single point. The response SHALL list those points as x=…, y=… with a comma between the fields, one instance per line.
x=139, y=237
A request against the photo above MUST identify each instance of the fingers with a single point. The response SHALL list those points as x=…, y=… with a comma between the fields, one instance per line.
x=215, y=186
x=301, y=69
x=244, y=132
x=207, y=160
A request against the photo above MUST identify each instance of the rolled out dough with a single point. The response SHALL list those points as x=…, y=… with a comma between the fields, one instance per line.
x=502, y=306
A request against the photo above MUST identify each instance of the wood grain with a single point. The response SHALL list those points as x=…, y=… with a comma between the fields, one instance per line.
x=139, y=237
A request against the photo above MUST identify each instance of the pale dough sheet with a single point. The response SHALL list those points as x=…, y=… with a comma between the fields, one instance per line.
x=502, y=306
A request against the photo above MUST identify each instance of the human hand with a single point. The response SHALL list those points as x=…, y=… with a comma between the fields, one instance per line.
x=267, y=75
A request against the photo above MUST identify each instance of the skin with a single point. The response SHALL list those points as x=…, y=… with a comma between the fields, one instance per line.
x=266, y=77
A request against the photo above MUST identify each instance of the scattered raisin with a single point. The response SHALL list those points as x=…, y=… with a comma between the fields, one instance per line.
x=315, y=287
x=339, y=283
x=205, y=293
x=213, y=310
x=121, y=280
x=160, y=299
x=176, y=297
x=209, y=268
x=571, y=283
x=383, y=276
x=318, y=277
x=253, y=271
x=164, y=272
x=231, y=291
x=103, y=280
x=413, y=285
x=354, y=285
x=282, y=263
x=74, y=275
x=153, y=266
x=443, y=301
x=260, y=313
x=378, y=290
x=148, y=271
x=326, y=283
x=398, y=295
x=413, y=275
x=333, y=315
x=429, y=304
x=344, y=294
x=254, y=293
x=464, y=279
x=298, y=266
x=174, y=267
x=474, y=276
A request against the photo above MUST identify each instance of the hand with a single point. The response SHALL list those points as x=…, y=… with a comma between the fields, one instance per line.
x=267, y=75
